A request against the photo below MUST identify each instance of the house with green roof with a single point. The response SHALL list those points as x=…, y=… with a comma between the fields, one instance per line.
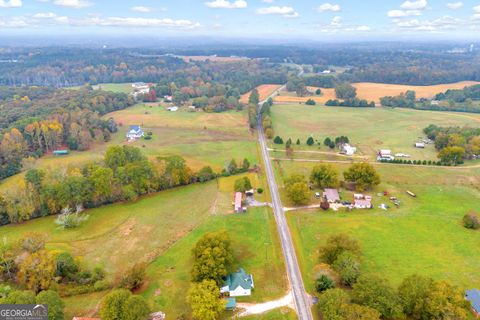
x=238, y=284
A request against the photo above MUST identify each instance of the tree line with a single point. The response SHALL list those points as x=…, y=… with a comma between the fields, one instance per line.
x=124, y=174
x=454, y=144
x=372, y=297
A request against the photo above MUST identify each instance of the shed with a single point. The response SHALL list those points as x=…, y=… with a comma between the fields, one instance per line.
x=231, y=304
x=473, y=296
x=420, y=145
x=237, y=202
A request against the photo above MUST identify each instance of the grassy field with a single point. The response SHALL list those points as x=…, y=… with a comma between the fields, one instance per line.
x=162, y=229
x=374, y=91
x=368, y=129
x=425, y=235
x=264, y=91
x=201, y=138
x=278, y=314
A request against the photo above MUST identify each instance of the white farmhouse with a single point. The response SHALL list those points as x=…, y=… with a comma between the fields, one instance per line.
x=135, y=132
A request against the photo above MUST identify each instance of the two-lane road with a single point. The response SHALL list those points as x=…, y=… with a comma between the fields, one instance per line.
x=300, y=297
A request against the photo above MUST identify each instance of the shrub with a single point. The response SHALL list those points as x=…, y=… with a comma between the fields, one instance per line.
x=324, y=283
x=134, y=277
x=471, y=221
x=101, y=285
x=65, y=265
x=348, y=268
x=336, y=245
x=147, y=138
x=278, y=140
x=310, y=141
x=259, y=190
x=310, y=102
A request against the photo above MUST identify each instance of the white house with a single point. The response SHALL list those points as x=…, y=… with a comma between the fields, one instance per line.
x=238, y=284
x=348, y=149
x=140, y=86
x=135, y=132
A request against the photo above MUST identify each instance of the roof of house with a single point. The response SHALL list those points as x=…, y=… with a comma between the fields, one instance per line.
x=135, y=128
x=239, y=279
x=238, y=200
x=331, y=194
x=474, y=297
x=363, y=202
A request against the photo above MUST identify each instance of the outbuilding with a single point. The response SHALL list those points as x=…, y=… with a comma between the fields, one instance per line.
x=331, y=195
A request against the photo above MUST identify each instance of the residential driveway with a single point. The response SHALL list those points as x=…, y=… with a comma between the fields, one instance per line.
x=252, y=309
x=251, y=202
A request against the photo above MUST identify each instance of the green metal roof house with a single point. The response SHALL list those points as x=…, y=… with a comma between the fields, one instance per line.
x=238, y=284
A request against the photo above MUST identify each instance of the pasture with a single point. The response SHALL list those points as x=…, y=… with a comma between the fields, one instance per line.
x=425, y=234
x=161, y=230
x=374, y=91
x=201, y=138
x=369, y=129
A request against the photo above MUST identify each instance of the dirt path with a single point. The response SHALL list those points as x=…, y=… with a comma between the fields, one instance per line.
x=252, y=309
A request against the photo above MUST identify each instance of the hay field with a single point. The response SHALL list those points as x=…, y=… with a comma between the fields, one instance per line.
x=375, y=91
x=264, y=90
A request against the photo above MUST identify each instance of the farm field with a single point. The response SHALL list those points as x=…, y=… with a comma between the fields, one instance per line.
x=162, y=229
x=425, y=235
x=264, y=91
x=374, y=91
x=201, y=138
x=369, y=129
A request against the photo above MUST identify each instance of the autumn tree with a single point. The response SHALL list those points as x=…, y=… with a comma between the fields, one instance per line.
x=363, y=175
x=120, y=304
x=348, y=267
x=345, y=91
x=204, y=299
x=324, y=176
x=36, y=272
x=297, y=189
x=213, y=257
x=134, y=277
x=452, y=155
x=377, y=293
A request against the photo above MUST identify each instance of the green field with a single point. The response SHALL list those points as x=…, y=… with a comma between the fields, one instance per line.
x=201, y=138
x=162, y=229
x=425, y=235
x=368, y=129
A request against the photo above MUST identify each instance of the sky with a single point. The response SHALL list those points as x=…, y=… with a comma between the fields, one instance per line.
x=301, y=19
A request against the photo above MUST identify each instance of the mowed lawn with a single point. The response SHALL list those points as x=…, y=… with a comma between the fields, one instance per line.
x=425, y=235
x=369, y=129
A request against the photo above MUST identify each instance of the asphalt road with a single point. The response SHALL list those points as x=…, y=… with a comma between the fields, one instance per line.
x=300, y=297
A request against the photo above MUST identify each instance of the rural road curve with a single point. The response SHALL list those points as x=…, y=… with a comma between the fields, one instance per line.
x=300, y=298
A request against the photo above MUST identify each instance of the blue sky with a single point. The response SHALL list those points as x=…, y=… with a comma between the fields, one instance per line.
x=319, y=20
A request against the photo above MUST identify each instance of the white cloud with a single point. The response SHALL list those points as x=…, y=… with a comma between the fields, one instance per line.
x=414, y=5
x=329, y=7
x=227, y=4
x=363, y=28
x=287, y=12
x=336, y=21
x=403, y=13
x=268, y=1
x=10, y=3
x=439, y=24
x=455, y=5
x=141, y=9
x=476, y=9
x=75, y=4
